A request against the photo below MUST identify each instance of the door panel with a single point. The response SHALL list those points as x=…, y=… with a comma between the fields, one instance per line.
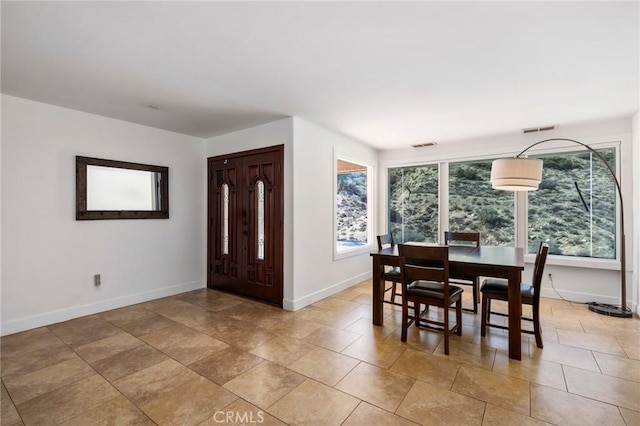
x=223, y=256
x=260, y=170
x=252, y=265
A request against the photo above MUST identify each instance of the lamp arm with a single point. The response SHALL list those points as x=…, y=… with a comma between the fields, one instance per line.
x=623, y=268
x=606, y=163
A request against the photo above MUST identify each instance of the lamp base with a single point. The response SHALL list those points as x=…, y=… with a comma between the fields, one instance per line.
x=610, y=310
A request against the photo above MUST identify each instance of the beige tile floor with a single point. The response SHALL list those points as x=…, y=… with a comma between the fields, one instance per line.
x=206, y=358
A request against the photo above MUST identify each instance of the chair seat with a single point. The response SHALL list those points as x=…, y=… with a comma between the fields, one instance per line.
x=431, y=289
x=470, y=279
x=392, y=274
x=500, y=286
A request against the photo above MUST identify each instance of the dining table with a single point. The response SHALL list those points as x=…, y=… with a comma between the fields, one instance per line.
x=482, y=261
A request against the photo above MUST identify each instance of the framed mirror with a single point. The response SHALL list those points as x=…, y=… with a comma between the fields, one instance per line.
x=108, y=189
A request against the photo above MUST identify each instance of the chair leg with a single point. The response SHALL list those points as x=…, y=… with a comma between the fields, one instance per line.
x=475, y=295
x=405, y=319
x=393, y=292
x=446, y=331
x=485, y=313
x=459, y=316
x=536, y=326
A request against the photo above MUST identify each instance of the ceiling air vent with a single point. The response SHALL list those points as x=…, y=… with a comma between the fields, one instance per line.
x=538, y=129
x=422, y=145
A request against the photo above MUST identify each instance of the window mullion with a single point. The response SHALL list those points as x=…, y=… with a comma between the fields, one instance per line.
x=520, y=212
x=443, y=198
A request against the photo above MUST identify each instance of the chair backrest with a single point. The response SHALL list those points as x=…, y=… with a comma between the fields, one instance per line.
x=420, y=262
x=538, y=270
x=462, y=238
x=385, y=240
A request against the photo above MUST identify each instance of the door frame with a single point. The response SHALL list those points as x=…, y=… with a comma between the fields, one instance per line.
x=279, y=258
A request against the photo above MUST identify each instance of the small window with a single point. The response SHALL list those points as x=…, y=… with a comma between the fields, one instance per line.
x=353, y=209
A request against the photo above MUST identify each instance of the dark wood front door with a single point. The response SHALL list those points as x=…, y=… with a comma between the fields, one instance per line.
x=245, y=235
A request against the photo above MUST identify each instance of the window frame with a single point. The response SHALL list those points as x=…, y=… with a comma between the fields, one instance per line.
x=447, y=224
x=521, y=204
x=371, y=209
x=441, y=167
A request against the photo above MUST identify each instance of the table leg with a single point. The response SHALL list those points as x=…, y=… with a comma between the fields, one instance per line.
x=378, y=291
x=515, y=313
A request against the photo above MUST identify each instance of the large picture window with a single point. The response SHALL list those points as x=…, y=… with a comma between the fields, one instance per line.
x=353, y=209
x=574, y=209
x=413, y=203
x=474, y=206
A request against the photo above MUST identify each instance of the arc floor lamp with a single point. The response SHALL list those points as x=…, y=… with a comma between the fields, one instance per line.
x=524, y=174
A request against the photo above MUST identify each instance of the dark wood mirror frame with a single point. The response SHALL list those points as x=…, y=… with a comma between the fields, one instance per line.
x=81, y=191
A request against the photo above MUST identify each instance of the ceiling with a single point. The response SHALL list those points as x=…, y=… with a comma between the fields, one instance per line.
x=389, y=74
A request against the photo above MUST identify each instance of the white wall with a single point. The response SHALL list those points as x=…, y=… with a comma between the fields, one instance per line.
x=575, y=283
x=276, y=133
x=49, y=258
x=316, y=273
x=635, y=208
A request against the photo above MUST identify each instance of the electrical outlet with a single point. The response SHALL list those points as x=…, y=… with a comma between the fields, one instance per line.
x=96, y=282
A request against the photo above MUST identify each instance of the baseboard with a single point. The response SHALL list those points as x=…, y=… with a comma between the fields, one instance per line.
x=52, y=317
x=579, y=297
x=294, y=305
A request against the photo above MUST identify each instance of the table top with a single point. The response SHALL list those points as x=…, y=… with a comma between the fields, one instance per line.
x=512, y=257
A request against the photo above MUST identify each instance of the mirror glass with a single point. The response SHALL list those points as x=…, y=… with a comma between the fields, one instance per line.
x=109, y=189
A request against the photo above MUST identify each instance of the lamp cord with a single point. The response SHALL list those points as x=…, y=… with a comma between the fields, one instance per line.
x=554, y=288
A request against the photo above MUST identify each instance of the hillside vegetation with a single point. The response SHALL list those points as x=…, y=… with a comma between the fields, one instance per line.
x=352, y=208
x=557, y=214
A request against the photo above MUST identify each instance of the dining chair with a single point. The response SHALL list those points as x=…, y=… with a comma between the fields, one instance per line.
x=391, y=273
x=425, y=280
x=498, y=289
x=470, y=239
